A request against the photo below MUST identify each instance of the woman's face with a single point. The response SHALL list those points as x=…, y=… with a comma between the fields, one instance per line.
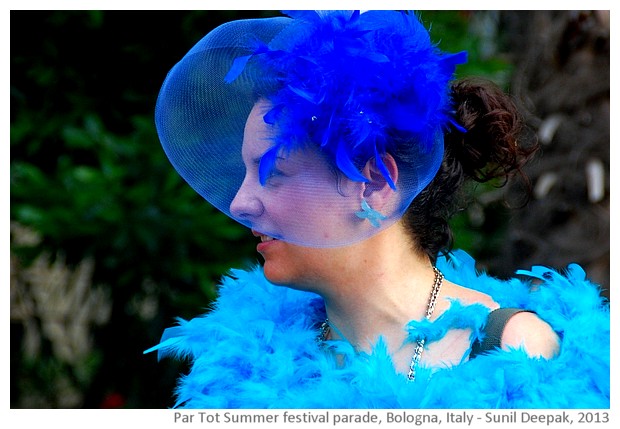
x=302, y=202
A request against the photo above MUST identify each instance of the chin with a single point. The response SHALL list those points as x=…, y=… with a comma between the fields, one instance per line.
x=275, y=273
x=282, y=276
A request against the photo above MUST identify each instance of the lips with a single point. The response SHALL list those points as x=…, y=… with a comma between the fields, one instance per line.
x=265, y=241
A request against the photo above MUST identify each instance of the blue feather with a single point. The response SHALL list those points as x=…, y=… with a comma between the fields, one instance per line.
x=327, y=62
x=237, y=68
x=457, y=126
x=312, y=98
x=240, y=63
x=383, y=169
x=257, y=349
x=273, y=115
x=304, y=15
x=267, y=163
x=344, y=163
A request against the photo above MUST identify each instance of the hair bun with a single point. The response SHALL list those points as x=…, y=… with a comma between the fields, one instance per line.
x=491, y=147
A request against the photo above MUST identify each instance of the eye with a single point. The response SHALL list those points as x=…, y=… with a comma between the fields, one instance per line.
x=269, y=171
x=275, y=172
x=274, y=178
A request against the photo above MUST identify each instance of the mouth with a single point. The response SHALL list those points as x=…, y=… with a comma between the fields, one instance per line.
x=263, y=238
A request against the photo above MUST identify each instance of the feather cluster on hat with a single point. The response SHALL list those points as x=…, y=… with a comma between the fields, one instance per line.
x=349, y=82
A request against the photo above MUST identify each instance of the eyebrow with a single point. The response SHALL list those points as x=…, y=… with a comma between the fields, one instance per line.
x=257, y=160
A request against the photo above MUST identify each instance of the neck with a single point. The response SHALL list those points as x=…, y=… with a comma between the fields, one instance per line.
x=377, y=295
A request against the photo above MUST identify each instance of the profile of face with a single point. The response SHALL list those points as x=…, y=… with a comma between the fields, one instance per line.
x=303, y=207
x=303, y=200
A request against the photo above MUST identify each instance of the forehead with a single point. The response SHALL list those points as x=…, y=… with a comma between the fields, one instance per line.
x=257, y=135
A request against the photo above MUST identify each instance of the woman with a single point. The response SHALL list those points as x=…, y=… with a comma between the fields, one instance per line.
x=340, y=140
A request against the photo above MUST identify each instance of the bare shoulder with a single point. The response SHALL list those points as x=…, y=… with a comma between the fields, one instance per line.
x=524, y=329
x=468, y=296
x=529, y=331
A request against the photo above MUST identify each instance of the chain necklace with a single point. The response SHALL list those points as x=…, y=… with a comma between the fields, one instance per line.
x=419, y=348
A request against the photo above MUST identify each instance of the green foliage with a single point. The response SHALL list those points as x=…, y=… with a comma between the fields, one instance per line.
x=88, y=175
x=126, y=200
x=474, y=32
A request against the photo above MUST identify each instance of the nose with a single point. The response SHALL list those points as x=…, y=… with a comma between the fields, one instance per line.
x=246, y=205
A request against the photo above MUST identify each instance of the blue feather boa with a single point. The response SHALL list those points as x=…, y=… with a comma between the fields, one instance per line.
x=257, y=349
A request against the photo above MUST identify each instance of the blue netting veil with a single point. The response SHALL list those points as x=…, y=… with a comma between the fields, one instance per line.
x=318, y=128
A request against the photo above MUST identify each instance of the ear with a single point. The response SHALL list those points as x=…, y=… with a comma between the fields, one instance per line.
x=383, y=178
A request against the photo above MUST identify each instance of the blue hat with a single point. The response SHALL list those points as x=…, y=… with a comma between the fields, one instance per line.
x=319, y=128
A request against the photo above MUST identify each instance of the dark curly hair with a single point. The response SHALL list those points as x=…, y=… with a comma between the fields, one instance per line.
x=493, y=147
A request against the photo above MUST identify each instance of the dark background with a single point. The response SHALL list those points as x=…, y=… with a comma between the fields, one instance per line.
x=108, y=244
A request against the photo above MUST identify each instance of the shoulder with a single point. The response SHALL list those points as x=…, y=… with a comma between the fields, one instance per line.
x=467, y=296
x=528, y=331
x=523, y=330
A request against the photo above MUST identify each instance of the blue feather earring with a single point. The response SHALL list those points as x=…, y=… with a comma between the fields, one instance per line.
x=373, y=216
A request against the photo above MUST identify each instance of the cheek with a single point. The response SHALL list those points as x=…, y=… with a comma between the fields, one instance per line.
x=314, y=216
x=308, y=208
x=324, y=208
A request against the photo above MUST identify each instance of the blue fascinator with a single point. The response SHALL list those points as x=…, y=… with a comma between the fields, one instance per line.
x=318, y=128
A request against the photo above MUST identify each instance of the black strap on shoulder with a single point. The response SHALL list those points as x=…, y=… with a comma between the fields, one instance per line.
x=493, y=330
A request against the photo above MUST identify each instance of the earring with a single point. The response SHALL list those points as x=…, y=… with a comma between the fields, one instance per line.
x=373, y=216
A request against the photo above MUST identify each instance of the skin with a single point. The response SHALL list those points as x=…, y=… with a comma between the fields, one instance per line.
x=374, y=287
x=298, y=199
